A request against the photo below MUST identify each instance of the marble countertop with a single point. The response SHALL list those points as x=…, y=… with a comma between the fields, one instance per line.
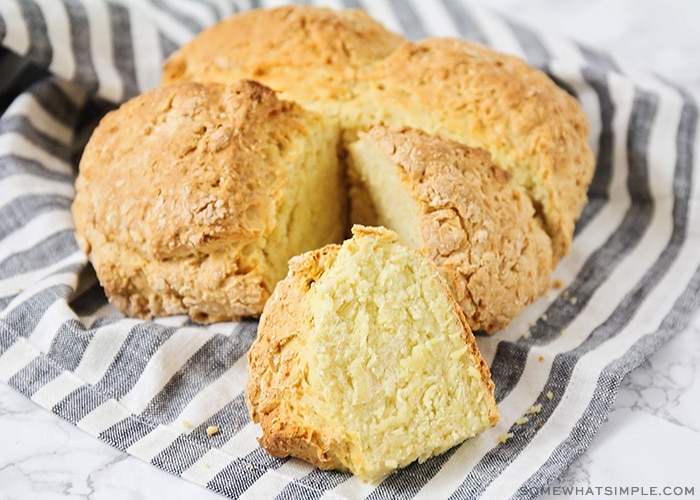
x=652, y=436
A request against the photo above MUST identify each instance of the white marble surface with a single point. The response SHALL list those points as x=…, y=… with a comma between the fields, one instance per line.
x=652, y=436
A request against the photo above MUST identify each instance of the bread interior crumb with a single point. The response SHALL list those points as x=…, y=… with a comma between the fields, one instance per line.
x=312, y=212
x=378, y=196
x=388, y=366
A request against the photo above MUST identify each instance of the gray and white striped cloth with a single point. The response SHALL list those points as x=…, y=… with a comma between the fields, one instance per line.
x=152, y=388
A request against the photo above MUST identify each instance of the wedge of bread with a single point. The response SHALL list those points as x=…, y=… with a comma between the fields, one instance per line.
x=364, y=362
x=451, y=202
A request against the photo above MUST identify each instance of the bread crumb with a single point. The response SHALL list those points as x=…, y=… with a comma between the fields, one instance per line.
x=521, y=421
x=550, y=395
x=186, y=424
x=558, y=283
x=541, y=358
x=564, y=331
x=534, y=409
x=212, y=429
x=573, y=301
x=505, y=437
x=544, y=317
x=526, y=335
x=459, y=353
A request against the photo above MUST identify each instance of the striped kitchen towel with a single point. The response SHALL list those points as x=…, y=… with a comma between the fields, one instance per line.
x=153, y=388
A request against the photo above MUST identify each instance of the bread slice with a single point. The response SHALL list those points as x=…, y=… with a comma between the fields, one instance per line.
x=191, y=198
x=451, y=202
x=364, y=362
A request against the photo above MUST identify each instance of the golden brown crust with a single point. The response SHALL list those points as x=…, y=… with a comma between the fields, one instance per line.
x=174, y=187
x=319, y=49
x=277, y=387
x=464, y=91
x=477, y=227
x=276, y=383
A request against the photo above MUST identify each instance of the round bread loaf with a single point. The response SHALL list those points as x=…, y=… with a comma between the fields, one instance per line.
x=191, y=198
x=451, y=202
x=364, y=362
x=348, y=67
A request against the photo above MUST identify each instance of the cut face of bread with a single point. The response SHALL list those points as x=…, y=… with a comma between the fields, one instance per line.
x=451, y=202
x=191, y=198
x=364, y=362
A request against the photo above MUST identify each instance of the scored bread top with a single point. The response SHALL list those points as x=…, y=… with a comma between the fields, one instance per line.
x=480, y=97
x=183, y=169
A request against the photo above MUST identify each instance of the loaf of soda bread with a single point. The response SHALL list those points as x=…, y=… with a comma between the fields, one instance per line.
x=208, y=233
